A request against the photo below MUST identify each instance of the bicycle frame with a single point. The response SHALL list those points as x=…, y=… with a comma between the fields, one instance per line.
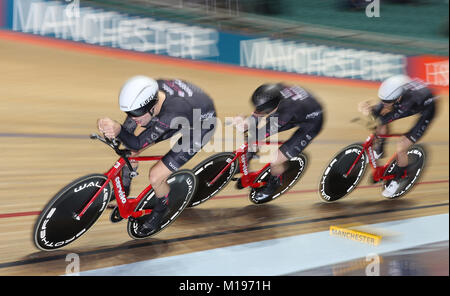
x=377, y=171
x=126, y=206
x=248, y=178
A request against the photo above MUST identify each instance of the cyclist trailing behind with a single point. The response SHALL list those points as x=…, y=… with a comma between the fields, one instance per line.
x=401, y=97
x=163, y=108
x=284, y=107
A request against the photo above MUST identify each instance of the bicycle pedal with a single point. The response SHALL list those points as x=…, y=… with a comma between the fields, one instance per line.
x=132, y=219
x=115, y=216
x=239, y=184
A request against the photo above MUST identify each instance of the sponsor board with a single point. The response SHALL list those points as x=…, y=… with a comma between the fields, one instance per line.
x=72, y=20
x=3, y=14
x=320, y=60
x=356, y=235
x=431, y=69
x=112, y=29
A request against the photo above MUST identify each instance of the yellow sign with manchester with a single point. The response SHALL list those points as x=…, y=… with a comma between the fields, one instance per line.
x=356, y=235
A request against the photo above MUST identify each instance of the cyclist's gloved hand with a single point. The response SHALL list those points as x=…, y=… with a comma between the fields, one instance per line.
x=108, y=127
x=364, y=108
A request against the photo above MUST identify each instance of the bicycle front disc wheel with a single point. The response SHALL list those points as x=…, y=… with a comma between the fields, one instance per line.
x=335, y=183
x=57, y=225
x=207, y=170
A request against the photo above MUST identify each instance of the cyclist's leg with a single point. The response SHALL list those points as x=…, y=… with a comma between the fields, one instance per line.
x=302, y=138
x=403, y=146
x=157, y=177
x=379, y=145
x=179, y=155
x=416, y=132
x=187, y=148
x=402, y=149
x=130, y=126
x=126, y=178
x=278, y=166
x=402, y=164
x=171, y=162
x=290, y=149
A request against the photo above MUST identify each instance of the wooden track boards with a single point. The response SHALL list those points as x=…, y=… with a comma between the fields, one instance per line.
x=50, y=101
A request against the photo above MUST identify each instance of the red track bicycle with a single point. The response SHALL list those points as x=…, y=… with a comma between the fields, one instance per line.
x=346, y=169
x=76, y=207
x=215, y=172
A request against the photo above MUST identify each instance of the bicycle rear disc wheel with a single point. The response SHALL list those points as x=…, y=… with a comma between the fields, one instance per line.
x=416, y=162
x=57, y=226
x=334, y=185
x=183, y=185
x=207, y=170
x=296, y=167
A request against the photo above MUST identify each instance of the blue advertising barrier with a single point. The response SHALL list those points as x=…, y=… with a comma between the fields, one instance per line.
x=67, y=20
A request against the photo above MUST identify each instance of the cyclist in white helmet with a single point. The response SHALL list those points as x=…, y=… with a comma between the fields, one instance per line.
x=401, y=97
x=162, y=107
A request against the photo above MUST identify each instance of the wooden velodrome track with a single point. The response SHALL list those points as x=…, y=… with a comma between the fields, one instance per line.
x=52, y=93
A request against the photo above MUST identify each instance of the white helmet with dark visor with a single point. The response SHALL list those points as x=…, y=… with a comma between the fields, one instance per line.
x=138, y=95
x=392, y=88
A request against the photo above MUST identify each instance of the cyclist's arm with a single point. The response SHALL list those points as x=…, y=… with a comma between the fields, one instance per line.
x=276, y=121
x=376, y=110
x=152, y=134
x=129, y=124
x=404, y=110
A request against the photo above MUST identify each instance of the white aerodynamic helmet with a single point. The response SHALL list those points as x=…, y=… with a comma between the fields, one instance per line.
x=393, y=87
x=138, y=95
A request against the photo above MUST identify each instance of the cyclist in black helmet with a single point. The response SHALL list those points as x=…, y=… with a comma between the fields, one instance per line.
x=286, y=107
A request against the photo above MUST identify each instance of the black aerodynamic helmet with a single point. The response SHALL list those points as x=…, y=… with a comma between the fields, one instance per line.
x=267, y=97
